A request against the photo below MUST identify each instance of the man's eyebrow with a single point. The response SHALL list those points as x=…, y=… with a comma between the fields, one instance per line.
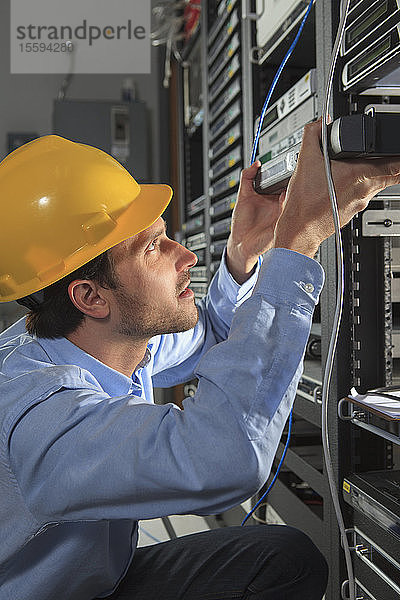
x=161, y=230
x=150, y=235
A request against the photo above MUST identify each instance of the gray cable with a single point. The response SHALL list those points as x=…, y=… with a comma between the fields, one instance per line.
x=339, y=304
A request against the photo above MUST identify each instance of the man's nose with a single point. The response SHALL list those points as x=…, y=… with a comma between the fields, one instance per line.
x=187, y=258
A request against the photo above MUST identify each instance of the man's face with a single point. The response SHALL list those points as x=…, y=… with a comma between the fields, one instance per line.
x=154, y=273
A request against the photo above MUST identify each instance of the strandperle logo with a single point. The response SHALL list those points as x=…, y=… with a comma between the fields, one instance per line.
x=84, y=31
x=80, y=36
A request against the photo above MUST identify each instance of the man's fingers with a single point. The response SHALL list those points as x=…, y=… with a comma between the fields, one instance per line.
x=251, y=171
x=313, y=133
x=383, y=167
x=311, y=143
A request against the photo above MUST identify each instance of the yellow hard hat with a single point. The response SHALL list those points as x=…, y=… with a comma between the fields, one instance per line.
x=63, y=204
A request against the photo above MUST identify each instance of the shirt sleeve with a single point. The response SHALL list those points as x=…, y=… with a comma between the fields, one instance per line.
x=81, y=455
x=176, y=355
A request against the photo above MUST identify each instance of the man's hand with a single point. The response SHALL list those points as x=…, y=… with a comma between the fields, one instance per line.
x=253, y=223
x=306, y=220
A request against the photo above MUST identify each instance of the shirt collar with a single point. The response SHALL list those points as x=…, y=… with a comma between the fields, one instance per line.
x=62, y=351
x=145, y=360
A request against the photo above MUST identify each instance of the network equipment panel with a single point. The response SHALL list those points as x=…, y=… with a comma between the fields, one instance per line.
x=278, y=137
x=384, y=86
x=371, y=134
x=377, y=495
x=212, y=140
x=233, y=135
x=225, y=132
x=217, y=93
x=294, y=97
x=375, y=536
x=383, y=570
x=371, y=45
x=364, y=20
x=276, y=19
x=282, y=132
x=367, y=261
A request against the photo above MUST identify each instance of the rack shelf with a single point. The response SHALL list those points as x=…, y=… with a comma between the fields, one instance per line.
x=304, y=470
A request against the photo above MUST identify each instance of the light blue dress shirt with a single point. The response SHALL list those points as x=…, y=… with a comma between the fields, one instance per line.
x=85, y=453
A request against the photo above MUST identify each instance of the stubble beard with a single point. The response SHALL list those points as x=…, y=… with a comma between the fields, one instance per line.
x=144, y=321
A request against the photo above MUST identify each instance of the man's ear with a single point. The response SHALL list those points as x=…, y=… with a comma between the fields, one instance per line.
x=87, y=296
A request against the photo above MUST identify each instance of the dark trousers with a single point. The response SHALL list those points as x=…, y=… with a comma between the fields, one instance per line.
x=266, y=562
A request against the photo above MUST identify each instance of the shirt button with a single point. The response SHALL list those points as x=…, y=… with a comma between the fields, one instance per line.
x=309, y=287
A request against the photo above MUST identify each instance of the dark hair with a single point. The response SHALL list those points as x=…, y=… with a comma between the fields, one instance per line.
x=57, y=316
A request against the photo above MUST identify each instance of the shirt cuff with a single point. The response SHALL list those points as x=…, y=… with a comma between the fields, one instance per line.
x=290, y=277
x=235, y=292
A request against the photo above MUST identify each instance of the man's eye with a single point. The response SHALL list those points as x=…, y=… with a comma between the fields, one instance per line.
x=152, y=245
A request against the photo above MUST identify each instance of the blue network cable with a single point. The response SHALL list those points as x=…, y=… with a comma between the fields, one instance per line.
x=275, y=81
x=277, y=471
x=253, y=157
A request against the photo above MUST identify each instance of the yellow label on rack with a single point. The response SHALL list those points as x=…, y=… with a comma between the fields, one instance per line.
x=232, y=182
x=231, y=162
x=346, y=486
x=230, y=29
x=231, y=139
x=230, y=52
x=232, y=204
x=230, y=73
x=229, y=7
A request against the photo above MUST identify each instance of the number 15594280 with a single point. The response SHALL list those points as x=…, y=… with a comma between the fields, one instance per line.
x=46, y=47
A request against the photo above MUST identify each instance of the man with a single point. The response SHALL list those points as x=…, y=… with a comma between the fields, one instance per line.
x=85, y=453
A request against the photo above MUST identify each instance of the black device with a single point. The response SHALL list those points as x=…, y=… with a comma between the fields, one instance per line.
x=377, y=495
x=365, y=135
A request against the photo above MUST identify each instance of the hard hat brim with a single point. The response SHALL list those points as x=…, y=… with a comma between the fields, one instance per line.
x=146, y=208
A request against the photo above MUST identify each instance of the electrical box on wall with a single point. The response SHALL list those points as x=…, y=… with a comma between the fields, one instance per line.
x=118, y=128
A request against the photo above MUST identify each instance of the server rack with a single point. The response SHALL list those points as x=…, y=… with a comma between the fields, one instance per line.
x=371, y=312
x=212, y=136
x=214, y=139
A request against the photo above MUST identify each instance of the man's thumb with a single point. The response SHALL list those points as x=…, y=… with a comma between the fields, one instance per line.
x=251, y=171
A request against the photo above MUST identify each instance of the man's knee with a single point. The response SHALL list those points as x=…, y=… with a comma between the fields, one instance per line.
x=297, y=543
x=295, y=559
